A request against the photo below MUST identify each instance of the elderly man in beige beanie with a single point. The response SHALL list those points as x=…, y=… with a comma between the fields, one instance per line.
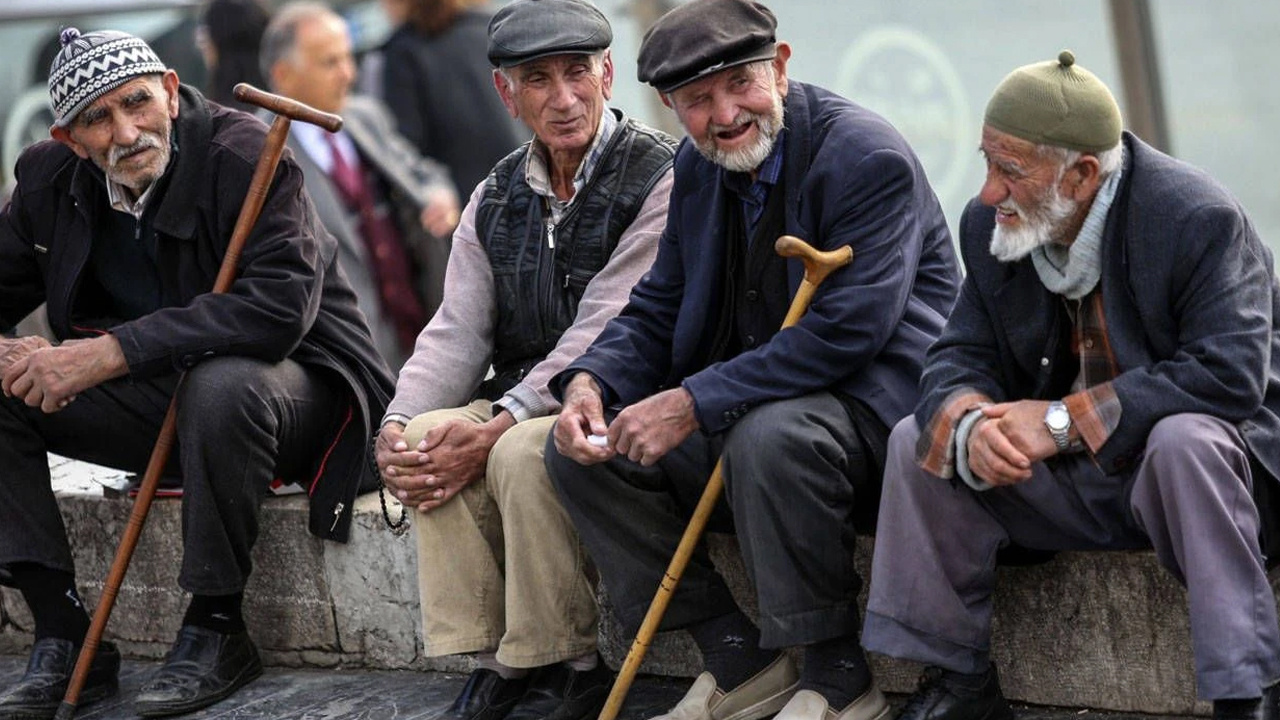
x=1108, y=379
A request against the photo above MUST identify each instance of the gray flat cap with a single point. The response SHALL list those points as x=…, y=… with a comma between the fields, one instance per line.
x=529, y=29
x=703, y=37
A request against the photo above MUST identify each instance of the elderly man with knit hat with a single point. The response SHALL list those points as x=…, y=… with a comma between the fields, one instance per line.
x=120, y=223
x=1108, y=379
x=547, y=251
x=695, y=367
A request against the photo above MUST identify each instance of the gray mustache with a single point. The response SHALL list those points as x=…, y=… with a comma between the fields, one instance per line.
x=145, y=141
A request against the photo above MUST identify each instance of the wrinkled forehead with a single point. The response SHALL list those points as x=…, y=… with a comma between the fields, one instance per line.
x=144, y=86
x=703, y=85
x=552, y=63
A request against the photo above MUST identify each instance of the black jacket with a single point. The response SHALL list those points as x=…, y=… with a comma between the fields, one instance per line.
x=288, y=300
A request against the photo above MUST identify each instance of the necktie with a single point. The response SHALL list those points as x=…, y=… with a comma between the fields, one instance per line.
x=391, y=263
x=344, y=174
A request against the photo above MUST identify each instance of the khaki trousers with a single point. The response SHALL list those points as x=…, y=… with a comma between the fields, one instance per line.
x=499, y=565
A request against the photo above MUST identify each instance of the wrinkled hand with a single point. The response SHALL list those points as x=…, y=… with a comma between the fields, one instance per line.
x=1008, y=440
x=650, y=429
x=441, y=214
x=451, y=456
x=50, y=377
x=14, y=349
x=1023, y=423
x=396, y=461
x=582, y=414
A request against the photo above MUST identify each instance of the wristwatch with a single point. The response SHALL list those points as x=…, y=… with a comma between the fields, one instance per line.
x=1058, y=421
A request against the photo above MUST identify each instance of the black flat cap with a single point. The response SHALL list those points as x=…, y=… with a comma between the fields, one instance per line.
x=529, y=29
x=702, y=37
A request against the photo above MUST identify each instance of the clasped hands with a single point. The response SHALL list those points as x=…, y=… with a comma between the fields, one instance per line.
x=1008, y=440
x=449, y=457
x=643, y=432
x=49, y=377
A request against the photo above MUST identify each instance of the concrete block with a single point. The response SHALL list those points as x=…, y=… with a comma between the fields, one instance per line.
x=1099, y=630
x=307, y=602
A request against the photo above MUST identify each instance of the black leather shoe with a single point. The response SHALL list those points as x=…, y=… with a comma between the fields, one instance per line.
x=558, y=692
x=39, y=693
x=943, y=695
x=485, y=696
x=1266, y=708
x=202, y=667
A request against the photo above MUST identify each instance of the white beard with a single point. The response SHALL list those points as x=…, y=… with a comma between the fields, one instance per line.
x=1040, y=225
x=748, y=158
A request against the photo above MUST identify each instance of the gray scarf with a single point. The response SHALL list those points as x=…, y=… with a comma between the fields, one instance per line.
x=1073, y=270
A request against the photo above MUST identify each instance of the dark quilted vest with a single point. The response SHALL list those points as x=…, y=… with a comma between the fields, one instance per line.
x=540, y=270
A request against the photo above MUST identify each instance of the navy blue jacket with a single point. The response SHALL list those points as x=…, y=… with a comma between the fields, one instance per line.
x=850, y=179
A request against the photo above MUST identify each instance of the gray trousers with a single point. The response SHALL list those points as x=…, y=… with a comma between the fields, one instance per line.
x=241, y=422
x=1189, y=498
x=794, y=471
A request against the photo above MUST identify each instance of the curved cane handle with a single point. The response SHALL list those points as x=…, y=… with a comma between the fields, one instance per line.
x=817, y=266
x=288, y=107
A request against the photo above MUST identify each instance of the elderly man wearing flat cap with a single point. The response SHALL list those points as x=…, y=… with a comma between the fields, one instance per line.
x=1109, y=379
x=547, y=250
x=695, y=366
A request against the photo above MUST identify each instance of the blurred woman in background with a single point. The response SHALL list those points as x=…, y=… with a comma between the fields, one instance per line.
x=435, y=76
x=229, y=36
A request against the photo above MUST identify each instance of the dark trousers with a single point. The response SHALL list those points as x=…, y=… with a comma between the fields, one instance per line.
x=241, y=423
x=795, y=471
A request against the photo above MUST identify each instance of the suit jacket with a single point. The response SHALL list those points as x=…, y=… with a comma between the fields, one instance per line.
x=850, y=179
x=1190, y=299
x=406, y=178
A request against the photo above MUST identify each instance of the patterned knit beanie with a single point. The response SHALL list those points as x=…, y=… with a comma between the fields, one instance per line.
x=1056, y=103
x=91, y=65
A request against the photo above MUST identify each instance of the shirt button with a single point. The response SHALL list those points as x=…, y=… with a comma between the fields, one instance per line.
x=1044, y=362
x=750, y=341
x=1088, y=343
x=753, y=295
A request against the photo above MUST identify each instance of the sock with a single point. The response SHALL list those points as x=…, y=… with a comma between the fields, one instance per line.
x=1238, y=708
x=585, y=662
x=219, y=613
x=489, y=661
x=837, y=670
x=55, y=605
x=731, y=651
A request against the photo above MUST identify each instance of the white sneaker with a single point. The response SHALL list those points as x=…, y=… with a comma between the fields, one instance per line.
x=758, y=697
x=810, y=705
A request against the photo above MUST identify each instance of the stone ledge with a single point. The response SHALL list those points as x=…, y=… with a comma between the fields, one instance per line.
x=1098, y=630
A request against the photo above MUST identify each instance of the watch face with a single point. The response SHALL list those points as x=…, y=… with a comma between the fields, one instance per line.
x=1057, y=418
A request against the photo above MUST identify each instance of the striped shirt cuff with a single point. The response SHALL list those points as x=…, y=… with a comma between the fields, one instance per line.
x=1095, y=412
x=935, y=452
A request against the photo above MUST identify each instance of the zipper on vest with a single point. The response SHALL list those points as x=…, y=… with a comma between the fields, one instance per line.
x=551, y=234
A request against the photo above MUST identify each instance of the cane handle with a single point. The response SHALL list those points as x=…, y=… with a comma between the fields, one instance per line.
x=817, y=266
x=288, y=107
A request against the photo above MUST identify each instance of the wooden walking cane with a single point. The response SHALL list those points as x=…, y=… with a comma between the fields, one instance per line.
x=817, y=266
x=285, y=109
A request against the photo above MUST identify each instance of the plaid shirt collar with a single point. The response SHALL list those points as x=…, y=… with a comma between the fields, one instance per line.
x=754, y=195
x=538, y=172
